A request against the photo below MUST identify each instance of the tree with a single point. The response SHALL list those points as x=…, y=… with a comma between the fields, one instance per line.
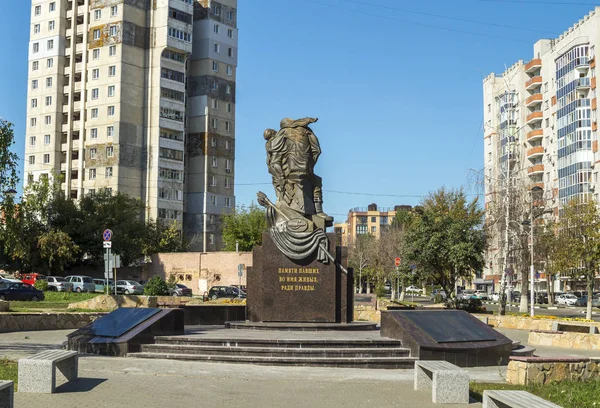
x=546, y=243
x=57, y=249
x=162, y=237
x=8, y=159
x=578, y=247
x=361, y=253
x=444, y=238
x=245, y=227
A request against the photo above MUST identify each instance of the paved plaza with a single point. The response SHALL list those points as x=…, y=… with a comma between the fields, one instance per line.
x=138, y=383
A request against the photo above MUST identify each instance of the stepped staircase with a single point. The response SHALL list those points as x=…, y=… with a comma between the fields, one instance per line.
x=350, y=353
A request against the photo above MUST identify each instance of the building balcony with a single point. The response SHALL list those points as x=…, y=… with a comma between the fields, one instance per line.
x=535, y=170
x=537, y=185
x=78, y=66
x=81, y=10
x=78, y=86
x=79, y=48
x=594, y=103
x=535, y=152
x=533, y=83
x=69, y=32
x=533, y=65
x=582, y=64
x=583, y=84
x=534, y=135
x=535, y=117
x=534, y=100
x=65, y=127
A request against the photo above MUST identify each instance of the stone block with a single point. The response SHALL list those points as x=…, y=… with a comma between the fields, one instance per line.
x=448, y=383
x=7, y=394
x=37, y=374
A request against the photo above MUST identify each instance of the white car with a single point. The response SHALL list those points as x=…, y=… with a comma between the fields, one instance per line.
x=567, y=299
x=481, y=294
x=414, y=289
x=495, y=297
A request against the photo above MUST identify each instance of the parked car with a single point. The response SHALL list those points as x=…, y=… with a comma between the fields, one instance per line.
x=180, y=290
x=466, y=294
x=81, y=283
x=30, y=278
x=582, y=301
x=515, y=296
x=100, y=285
x=217, y=292
x=495, y=296
x=129, y=287
x=567, y=299
x=58, y=284
x=437, y=292
x=243, y=287
x=541, y=297
x=413, y=289
x=481, y=294
x=20, y=291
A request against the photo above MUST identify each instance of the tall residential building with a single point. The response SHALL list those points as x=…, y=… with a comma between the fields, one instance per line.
x=541, y=133
x=137, y=96
x=370, y=220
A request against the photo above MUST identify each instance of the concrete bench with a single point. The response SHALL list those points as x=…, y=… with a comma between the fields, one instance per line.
x=38, y=373
x=7, y=394
x=514, y=399
x=449, y=384
x=574, y=328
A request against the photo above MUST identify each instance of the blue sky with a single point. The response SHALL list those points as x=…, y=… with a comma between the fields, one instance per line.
x=396, y=87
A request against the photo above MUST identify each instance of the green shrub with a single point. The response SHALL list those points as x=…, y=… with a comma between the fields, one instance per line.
x=41, y=284
x=156, y=287
x=472, y=305
x=380, y=289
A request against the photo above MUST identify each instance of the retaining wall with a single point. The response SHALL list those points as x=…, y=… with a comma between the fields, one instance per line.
x=15, y=322
x=542, y=370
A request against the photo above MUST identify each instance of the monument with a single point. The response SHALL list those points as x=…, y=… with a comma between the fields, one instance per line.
x=298, y=274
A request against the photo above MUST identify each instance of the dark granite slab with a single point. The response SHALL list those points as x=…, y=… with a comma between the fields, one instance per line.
x=120, y=321
x=421, y=331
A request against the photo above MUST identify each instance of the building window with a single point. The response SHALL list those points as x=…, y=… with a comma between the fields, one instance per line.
x=109, y=172
x=49, y=62
x=50, y=45
x=228, y=89
x=228, y=126
x=96, y=34
x=227, y=202
x=34, y=84
x=46, y=139
x=48, y=120
x=34, y=103
x=180, y=35
x=215, y=123
x=51, y=25
x=373, y=229
x=211, y=239
x=216, y=28
x=230, y=33
x=112, y=50
x=94, y=133
x=228, y=165
x=172, y=94
x=92, y=174
x=94, y=113
x=172, y=75
x=229, y=15
x=36, y=47
x=112, y=70
x=52, y=7
x=49, y=82
x=213, y=200
x=33, y=122
x=93, y=153
x=36, y=29
x=95, y=93
x=215, y=104
x=38, y=10
x=48, y=101
x=112, y=30
x=213, y=181
x=32, y=141
x=229, y=108
x=173, y=135
x=361, y=229
x=229, y=70
x=111, y=90
x=31, y=160
x=35, y=65
x=215, y=66
x=230, y=52
x=227, y=145
x=215, y=85
x=96, y=53
x=46, y=158
x=216, y=9
x=216, y=48
x=97, y=14
x=213, y=142
x=171, y=154
x=114, y=10
x=111, y=111
x=109, y=151
x=172, y=114
x=215, y=162
x=92, y=191
x=110, y=131
x=95, y=73
x=227, y=182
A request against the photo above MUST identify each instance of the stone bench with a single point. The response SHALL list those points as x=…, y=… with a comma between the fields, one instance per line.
x=7, y=394
x=449, y=384
x=514, y=399
x=573, y=327
x=38, y=373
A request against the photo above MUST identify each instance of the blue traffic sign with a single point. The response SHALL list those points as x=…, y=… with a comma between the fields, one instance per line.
x=107, y=235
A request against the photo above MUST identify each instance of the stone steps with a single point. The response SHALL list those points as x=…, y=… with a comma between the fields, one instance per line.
x=285, y=343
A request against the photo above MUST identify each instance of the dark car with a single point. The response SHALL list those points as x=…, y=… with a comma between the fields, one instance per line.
x=20, y=291
x=243, y=287
x=582, y=301
x=180, y=290
x=231, y=292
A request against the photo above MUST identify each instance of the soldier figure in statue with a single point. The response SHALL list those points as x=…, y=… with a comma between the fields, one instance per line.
x=296, y=221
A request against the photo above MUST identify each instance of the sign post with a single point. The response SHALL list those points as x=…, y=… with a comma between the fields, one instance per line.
x=240, y=273
x=397, y=263
x=107, y=244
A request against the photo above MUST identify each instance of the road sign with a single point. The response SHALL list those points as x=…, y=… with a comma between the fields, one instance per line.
x=107, y=235
x=107, y=244
x=240, y=269
x=397, y=261
x=413, y=267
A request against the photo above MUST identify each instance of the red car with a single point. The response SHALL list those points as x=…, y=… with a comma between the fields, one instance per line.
x=30, y=278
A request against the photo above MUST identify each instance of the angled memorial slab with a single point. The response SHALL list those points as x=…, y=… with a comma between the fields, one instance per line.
x=450, y=335
x=125, y=330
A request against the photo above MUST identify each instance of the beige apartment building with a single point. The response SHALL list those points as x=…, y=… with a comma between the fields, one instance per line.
x=139, y=97
x=371, y=220
x=541, y=133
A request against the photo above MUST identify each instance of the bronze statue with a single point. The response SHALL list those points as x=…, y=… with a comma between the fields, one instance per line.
x=296, y=221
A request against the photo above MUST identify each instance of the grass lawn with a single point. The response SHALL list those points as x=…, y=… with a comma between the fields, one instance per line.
x=8, y=371
x=568, y=394
x=53, y=300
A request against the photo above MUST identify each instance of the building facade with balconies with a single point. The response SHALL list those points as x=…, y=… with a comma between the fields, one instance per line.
x=553, y=142
x=114, y=101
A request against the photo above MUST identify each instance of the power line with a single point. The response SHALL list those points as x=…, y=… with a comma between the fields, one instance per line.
x=564, y=3
x=466, y=20
x=418, y=24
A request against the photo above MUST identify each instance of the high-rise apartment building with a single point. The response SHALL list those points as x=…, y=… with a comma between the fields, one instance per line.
x=371, y=220
x=541, y=134
x=137, y=96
